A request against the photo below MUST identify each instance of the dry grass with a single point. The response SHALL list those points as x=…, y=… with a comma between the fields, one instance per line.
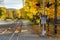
x=50, y=33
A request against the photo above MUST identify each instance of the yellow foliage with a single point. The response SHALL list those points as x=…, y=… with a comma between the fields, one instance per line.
x=58, y=12
x=3, y=13
x=31, y=9
x=10, y=14
x=51, y=15
x=30, y=15
x=37, y=21
x=26, y=8
x=40, y=10
x=18, y=13
x=3, y=17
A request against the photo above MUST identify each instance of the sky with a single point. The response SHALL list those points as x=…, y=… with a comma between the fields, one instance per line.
x=15, y=4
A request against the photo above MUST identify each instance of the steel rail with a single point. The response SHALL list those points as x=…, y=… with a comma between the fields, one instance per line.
x=16, y=26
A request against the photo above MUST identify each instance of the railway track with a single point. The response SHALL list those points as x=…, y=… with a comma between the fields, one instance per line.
x=26, y=35
x=10, y=31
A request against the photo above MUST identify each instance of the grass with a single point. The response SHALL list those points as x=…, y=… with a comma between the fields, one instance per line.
x=36, y=29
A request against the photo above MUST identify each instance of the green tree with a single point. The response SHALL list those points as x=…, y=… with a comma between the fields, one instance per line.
x=0, y=12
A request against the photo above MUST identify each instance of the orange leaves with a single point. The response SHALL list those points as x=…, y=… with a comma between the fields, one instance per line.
x=34, y=6
x=58, y=14
x=51, y=15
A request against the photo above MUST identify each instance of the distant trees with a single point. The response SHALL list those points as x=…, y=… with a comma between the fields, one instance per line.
x=0, y=12
x=31, y=8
